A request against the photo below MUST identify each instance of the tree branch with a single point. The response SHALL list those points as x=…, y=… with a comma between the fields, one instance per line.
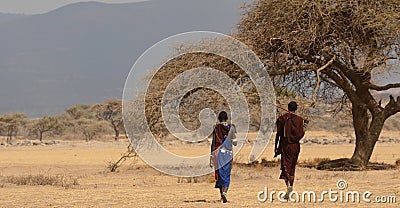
x=327, y=80
x=341, y=81
x=383, y=88
x=318, y=72
x=392, y=107
x=245, y=84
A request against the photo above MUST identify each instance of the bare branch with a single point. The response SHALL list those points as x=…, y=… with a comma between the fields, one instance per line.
x=392, y=107
x=245, y=84
x=318, y=72
x=383, y=88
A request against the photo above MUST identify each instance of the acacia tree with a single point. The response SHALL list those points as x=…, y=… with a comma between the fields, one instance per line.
x=45, y=125
x=80, y=111
x=83, y=119
x=10, y=124
x=194, y=101
x=111, y=111
x=90, y=128
x=330, y=49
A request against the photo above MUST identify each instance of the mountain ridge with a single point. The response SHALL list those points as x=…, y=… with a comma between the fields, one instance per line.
x=82, y=52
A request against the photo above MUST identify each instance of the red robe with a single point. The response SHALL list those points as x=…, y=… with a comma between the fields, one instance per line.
x=289, y=132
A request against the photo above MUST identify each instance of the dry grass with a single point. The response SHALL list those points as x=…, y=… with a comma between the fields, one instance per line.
x=201, y=179
x=250, y=171
x=43, y=180
x=135, y=184
x=312, y=163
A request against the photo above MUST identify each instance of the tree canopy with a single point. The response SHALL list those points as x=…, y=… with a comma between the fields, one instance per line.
x=329, y=50
x=10, y=123
x=326, y=50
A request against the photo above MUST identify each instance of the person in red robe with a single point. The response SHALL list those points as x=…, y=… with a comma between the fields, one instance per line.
x=290, y=130
x=224, y=135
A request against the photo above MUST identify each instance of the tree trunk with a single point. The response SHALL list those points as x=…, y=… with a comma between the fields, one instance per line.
x=40, y=135
x=116, y=130
x=116, y=134
x=9, y=135
x=366, y=135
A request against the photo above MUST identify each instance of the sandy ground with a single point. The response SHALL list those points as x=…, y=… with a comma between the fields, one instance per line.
x=137, y=185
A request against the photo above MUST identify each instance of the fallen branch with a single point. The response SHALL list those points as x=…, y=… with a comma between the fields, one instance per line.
x=130, y=153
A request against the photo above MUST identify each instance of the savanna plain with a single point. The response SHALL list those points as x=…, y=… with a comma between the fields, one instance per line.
x=76, y=174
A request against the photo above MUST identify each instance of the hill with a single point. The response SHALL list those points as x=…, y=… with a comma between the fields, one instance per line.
x=82, y=53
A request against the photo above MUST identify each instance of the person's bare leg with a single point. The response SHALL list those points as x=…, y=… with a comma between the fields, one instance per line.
x=289, y=185
x=291, y=180
x=224, y=192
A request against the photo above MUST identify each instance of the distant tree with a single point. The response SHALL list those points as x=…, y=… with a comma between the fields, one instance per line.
x=89, y=128
x=46, y=124
x=10, y=124
x=80, y=111
x=83, y=118
x=111, y=111
x=78, y=115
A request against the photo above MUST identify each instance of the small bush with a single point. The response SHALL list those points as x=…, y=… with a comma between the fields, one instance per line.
x=398, y=163
x=42, y=180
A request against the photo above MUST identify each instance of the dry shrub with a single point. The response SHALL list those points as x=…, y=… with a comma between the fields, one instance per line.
x=312, y=163
x=272, y=163
x=43, y=180
x=211, y=178
x=398, y=163
x=188, y=180
x=259, y=168
x=200, y=179
x=130, y=153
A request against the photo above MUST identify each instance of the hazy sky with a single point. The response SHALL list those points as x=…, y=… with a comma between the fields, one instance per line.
x=42, y=6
